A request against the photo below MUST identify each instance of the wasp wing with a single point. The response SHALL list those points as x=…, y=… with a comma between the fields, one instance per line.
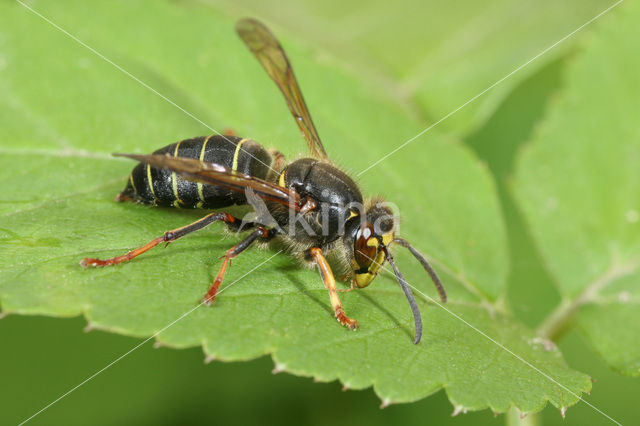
x=270, y=54
x=215, y=174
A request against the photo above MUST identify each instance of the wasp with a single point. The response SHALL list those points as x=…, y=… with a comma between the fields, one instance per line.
x=311, y=206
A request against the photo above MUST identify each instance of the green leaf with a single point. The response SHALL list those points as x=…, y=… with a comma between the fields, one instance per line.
x=64, y=116
x=578, y=185
x=433, y=57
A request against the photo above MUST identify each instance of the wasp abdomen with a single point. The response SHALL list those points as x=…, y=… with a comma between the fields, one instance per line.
x=149, y=185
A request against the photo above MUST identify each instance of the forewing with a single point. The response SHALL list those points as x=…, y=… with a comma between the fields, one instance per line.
x=215, y=174
x=270, y=54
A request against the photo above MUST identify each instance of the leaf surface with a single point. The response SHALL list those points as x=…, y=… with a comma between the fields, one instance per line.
x=432, y=57
x=63, y=115
x=578, y=184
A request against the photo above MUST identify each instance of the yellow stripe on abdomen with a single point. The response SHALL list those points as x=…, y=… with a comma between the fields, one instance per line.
x=133, y=185
x=150, y=180
x=174, y=181
x=199, y=184
x=236, y=154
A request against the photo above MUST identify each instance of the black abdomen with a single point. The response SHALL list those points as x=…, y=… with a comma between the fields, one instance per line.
x=149, y=185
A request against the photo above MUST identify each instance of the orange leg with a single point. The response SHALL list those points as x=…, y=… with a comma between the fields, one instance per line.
x=330, y=284
x=168, y=237
x=278, y=162
x=347, y=290
x=229, y=132
x=260, y=232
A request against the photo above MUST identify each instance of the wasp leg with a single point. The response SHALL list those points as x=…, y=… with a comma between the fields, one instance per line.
x=259, y=232
x=347, y=290
x=278, y=161
x=168, y=237
x=330, y=284
x=276, y=165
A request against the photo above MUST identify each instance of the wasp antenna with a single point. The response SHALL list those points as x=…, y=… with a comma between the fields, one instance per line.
x=432, y=273
x=417, y=319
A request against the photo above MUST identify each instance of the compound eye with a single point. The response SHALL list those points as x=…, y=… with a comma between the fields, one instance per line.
x=366, y=246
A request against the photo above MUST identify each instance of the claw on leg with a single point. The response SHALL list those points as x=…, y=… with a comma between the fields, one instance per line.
x=343, y=319
x=347, y=290
x=119, y=259
x=168, y=237
x=330, y=284
x=211, y=294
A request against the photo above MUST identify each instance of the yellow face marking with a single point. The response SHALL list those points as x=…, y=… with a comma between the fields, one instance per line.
x=372, y=242
x=352, y=214
x=363, y=280
x=281, y=180
x=387, y=238
x=150, y=180
x=174, y=180
x=377, y=263
x=234, y=165
x=199, y=184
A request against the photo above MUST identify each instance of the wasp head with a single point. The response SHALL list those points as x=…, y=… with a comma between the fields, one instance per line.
x=370, y=237
x=374, y=232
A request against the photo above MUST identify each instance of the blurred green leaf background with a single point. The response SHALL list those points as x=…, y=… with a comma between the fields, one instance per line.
x=425, y=59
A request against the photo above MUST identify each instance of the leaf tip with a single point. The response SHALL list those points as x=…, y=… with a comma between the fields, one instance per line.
x=384, y=403
x=346, y=387
x=158, y=344
x=208, y=359
x=563, y=412
x=89, y=327
x=278, y=368
x=3, y=314
x=457, y=409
